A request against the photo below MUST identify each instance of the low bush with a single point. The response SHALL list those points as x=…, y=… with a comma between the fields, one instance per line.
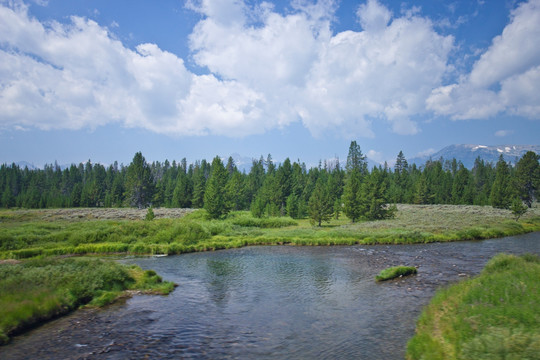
x=266, y=223
x=189, y=232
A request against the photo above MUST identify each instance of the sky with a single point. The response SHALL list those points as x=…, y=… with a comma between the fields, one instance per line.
x=101, y=80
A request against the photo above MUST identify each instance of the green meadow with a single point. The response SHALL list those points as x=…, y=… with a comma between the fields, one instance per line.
x=35, y=233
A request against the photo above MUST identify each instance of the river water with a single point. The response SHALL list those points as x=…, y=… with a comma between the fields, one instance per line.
x=273, y=302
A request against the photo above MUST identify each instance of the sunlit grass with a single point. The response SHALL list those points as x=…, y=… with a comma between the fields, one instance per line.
x=492, y=316
x=395, y=272
x=36, y=290
x=42, y=234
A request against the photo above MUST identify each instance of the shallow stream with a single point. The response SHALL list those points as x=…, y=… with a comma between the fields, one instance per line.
x=272, y=302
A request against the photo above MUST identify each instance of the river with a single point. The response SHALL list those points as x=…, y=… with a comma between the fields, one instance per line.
x=269, y=302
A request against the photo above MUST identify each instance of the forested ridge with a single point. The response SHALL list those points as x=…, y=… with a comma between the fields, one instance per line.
x=271, y=189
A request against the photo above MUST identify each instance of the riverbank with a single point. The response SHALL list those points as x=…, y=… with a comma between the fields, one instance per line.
x=34, y=233
x=34, y=291
x=268, y=302
x=492, y=316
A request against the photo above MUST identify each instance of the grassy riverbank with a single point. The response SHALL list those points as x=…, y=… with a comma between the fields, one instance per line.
x=26, y=234
x=37, y=290
x=492, y=316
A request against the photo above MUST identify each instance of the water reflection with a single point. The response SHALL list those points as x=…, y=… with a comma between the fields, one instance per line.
x=270, y=303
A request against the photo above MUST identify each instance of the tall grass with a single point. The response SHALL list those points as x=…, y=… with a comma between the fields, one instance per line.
x=25, y=237
x=493, y=316
x=40, y=289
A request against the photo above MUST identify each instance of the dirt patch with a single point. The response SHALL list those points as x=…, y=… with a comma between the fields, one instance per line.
x=78, y=214
x=9, y=261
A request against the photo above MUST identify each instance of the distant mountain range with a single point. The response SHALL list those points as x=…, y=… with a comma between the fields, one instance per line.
x=26, y=164
x=467, y=153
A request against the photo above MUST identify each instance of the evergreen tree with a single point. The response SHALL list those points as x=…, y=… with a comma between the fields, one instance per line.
x=460, y=186
x=320, y=205
x=215, y=196
x=258, y=206
x=255, y=179
x=139, y=182
x=401, y=165
x=518, y=208
x=236, y=191
x=499, y=197
x=199, y=184
x=231, y=166
x=337, y=208
x=352, y=197
x=8, y=200
x=482, y=182
x=398, y=187
x=528, y=177
x=421, y=195
x=356, y=161
x=293, y=206
x=284, y=181
x=373, y=197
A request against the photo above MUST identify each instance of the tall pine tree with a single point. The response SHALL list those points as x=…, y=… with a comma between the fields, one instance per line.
x=499, y=197
x=320, y=205
x=215, y=196
x=139, y=182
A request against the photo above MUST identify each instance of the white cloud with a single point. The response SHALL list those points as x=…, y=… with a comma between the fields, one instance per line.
x=375, y=156
x=503, y=133
x=425, y=153
x=266, y=70
x=373, y=16
x=506, y=78
x=76, y=75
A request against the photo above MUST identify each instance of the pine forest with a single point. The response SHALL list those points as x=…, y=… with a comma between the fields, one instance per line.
x=270, y=189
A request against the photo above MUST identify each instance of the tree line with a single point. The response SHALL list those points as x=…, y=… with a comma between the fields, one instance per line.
x=270, y=189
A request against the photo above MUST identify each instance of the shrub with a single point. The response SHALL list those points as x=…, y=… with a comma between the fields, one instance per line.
x=149, y=215
x=190, y=232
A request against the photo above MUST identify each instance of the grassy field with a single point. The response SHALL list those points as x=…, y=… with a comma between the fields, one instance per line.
x=31, y=233
x=495, y=315
x=37, y=290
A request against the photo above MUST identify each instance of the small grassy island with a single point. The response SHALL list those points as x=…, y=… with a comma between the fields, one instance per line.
x=395, y=272
x=492, y=316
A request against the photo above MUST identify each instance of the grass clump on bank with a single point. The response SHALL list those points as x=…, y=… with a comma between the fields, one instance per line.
x=37, y=290
x=395, y=272
x=492, y=316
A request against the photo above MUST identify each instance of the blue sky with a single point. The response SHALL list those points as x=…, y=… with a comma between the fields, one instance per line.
x=101, y=80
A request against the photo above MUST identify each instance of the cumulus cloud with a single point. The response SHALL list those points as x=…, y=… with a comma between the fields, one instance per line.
x=375, y=156
x=506, y=77
x=373, y=16
x=427, y=152
x=77, y=75
x=264, y=70
x=344, y=81
x=503, y=133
